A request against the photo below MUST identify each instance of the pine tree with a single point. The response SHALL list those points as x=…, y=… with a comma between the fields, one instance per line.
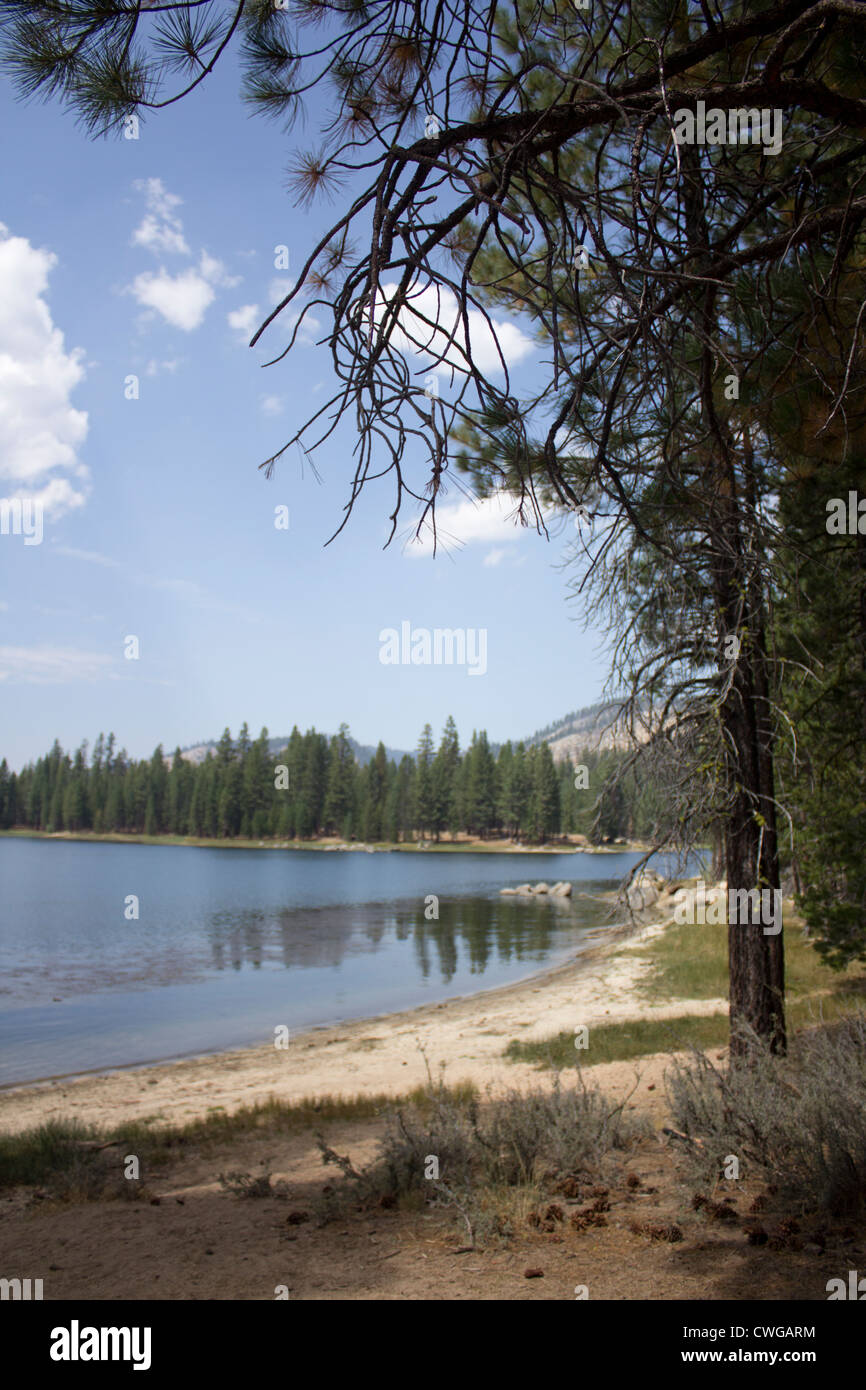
x=479, y=787
x=225, y=751
x=157, y=789
x=424, y=808
x=515, y=794
x=97, y=789
x=375, y=795
x=6, y=806
x=310, y=800
x=443, y=781
x=545, y=794
x=258, y=790
x=340, y=787
x=229, y=806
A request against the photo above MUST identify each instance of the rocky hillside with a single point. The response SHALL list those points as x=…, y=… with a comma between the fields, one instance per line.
x=582, y=729
x=591, y=728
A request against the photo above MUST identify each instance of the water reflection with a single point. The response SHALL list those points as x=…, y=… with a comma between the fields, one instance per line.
x=470, y=933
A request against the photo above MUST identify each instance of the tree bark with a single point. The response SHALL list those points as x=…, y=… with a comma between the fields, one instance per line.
x=755, y=960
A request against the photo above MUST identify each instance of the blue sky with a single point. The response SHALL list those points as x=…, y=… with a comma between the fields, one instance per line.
x=143, y=258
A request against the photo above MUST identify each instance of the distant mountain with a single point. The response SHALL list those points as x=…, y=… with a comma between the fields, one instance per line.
x=582, y=729
x=364, y=752
x=594, y=727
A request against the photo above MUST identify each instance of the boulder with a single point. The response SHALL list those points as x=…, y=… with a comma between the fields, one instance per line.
x=541, y=888
x=642, y=895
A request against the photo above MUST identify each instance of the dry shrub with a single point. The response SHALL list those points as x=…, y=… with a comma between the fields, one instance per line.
x=798, y=1123
x=487, y=1153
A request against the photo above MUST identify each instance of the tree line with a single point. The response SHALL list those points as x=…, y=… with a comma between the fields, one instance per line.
x=315, y=787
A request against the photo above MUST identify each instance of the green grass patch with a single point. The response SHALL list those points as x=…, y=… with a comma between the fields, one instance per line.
x=691, y=962
x=620, y=1042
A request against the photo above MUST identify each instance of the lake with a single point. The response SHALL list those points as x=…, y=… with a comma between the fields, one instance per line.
x=230, y=944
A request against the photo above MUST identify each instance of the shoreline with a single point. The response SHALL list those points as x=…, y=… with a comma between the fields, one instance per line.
x=327, y=844
x=312, y=1029
x=385, y=1054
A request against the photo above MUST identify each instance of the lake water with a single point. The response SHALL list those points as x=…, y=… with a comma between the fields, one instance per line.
x=230, y=944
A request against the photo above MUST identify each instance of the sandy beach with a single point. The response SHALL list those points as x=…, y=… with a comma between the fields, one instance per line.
x=380, y=1055
x=182, y=1234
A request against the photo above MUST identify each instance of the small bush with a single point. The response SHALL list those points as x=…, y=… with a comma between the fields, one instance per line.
x=245, y=1185
x=798, y=1123
x=485, y=1154
x=69, y=1160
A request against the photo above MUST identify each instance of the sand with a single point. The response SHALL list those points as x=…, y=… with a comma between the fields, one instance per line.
x=388, y=1054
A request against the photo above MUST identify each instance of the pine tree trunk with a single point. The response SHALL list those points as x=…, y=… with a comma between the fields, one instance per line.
x=756, y=958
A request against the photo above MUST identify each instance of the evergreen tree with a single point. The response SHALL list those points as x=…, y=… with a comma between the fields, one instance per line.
x=229, y=804
x=515, y=792
x=822, y=621
x=7, y=811
x=225, y=750
x=479, y=787
x=375, y=795
x=157, y=789
x=424, y=807
x=310, y=800
x=97, y=785
x=443, y=781
x=258, y=792
x=340, y=791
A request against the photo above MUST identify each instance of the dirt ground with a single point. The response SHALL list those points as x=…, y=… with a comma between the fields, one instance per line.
x=185, y=1237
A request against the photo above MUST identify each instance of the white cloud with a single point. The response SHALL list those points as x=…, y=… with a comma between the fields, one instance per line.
x=272, y=405
x=278, y=289
x=154, y=367
x=244, y=321
x=486, y=521
x=493, y=557
x=247, y=318
x=40, y=430
x=160, y=230
x=310, y=326
x=51, y=665
x=182, y=299
x=214, y=271
x=425, y=325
